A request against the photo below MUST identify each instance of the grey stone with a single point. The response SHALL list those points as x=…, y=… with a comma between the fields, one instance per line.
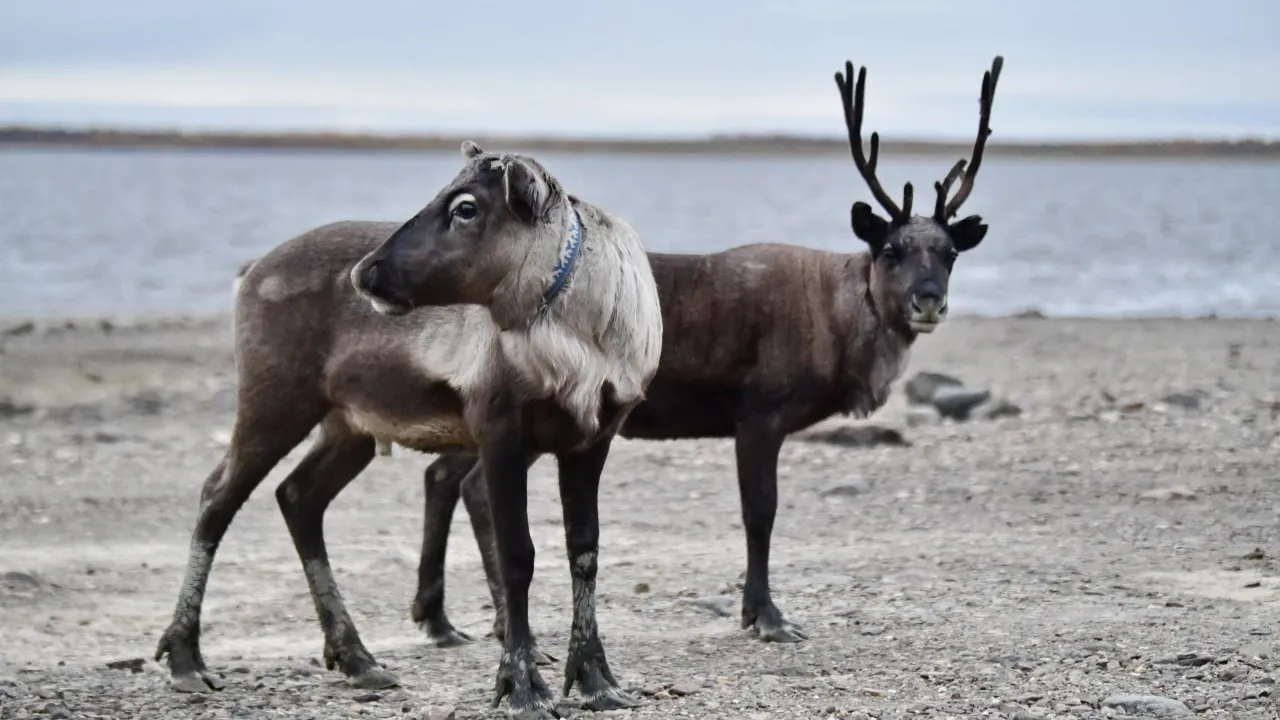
x=957, y=402
x=1151, y=705
x=923, y=386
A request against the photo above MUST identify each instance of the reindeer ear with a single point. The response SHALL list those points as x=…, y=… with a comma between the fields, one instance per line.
x=528, y=193
x=868, y=226
x=967, y=233
x=470, y=149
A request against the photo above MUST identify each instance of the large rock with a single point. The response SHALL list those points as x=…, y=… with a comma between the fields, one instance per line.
x=956, y=402
x=923, y=387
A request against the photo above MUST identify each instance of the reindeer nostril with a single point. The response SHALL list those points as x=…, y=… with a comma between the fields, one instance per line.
x=369, y=276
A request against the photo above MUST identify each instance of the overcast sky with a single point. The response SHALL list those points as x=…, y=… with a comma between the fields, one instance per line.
x=1074, y=68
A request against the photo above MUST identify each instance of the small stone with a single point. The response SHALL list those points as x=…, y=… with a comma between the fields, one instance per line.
x=1169, y=493
x=1184, y=400
x=132, y=664
x=872, y=692
x=1194, y=659
x=367, y=697
x=21, y=578
x=848, y=489
x=9, y=409
x=60, y=714
x=922, y=387
x=439, y=713
x=1149, y=705
x=651, y=690
x=681, y=689
x=148, y=402
x=641, y=588
x=859, y=436
x=1026, y=715
x=721, y=605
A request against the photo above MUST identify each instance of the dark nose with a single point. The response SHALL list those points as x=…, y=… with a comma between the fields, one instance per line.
x=927, y=294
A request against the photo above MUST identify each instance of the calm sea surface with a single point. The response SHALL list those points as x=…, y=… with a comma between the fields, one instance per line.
x=99, y=232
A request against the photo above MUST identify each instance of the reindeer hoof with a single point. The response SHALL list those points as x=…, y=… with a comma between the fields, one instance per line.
x=541, y=658
x=447, y=638
x=784, y=631
x=528, y=695
x=610, y=699
x=194, y=682
x=769, y=625
x=588, y=669
x=374, y=678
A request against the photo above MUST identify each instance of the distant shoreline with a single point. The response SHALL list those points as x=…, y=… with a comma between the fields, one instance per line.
x=22, y=136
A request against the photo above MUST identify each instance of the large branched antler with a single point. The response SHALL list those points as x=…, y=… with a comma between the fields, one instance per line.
x=946, y=211
x=853, y=107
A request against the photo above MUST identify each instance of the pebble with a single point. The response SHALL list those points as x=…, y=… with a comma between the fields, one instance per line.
x=721, y=605
x=1151, y=705
x=1169, y=493
x=847, y=489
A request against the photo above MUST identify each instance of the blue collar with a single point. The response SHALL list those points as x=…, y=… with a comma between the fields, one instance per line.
x=568, y=257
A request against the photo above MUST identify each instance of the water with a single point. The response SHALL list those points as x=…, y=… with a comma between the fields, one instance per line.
x=99, y=232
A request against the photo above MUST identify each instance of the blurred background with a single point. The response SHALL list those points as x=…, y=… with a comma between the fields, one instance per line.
x=149, y=148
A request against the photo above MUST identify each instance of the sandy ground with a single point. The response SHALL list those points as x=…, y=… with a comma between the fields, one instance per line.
x=1102, y=543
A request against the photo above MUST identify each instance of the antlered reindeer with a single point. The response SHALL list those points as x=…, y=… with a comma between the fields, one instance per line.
x=762, y=341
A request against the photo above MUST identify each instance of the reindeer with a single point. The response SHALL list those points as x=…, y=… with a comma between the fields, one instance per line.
x=505, y=320
x=762, y=341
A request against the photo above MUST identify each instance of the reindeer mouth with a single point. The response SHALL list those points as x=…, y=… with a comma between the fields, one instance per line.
x=924, y=327
x=390, y=308
x=926, y=315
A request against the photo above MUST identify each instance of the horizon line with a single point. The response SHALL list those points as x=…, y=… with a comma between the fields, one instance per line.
x=710, y=143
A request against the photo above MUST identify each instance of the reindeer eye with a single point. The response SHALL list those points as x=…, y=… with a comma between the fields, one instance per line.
x=890, y=254
x=463, y=208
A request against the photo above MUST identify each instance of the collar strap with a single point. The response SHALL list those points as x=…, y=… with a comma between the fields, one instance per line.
x=568, y=257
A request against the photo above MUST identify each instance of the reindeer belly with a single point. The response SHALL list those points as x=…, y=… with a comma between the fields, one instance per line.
x=432, y=434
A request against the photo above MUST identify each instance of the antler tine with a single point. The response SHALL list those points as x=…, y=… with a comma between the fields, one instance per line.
x=944, y=187
x=989, y=80
x=853, y=107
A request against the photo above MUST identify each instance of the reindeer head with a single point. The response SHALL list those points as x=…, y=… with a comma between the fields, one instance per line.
x=501, y=221
x=912, y=255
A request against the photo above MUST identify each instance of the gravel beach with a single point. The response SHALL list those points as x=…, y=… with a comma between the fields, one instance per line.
x=1111, y=550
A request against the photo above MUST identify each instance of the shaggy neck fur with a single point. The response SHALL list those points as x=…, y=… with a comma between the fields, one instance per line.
x=877, y=347
x=604, y=328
